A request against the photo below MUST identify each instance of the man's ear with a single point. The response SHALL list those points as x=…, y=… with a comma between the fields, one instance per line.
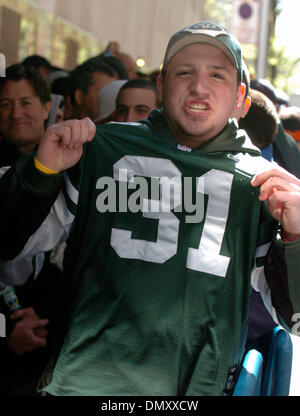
x=47, y=108
x=78, y=96
x=240, y=94
x=246, y=106
x=159, y=86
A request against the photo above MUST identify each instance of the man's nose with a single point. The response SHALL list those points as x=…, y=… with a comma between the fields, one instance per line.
x=16, y=111
x=200, y=85
x=131, y=116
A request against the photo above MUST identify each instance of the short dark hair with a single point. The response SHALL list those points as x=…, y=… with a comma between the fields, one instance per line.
x=17, y=72
x=113, y=62
x=62, y=86
x=139, y=83
x=82, y=76
x=37, y=61
x=260, y=122
x=290, y=118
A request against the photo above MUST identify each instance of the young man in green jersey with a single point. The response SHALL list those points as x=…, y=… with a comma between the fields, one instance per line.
x=158, y=297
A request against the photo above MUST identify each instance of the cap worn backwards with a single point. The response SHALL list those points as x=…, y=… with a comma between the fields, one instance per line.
x=107, y=99
x=210, y=33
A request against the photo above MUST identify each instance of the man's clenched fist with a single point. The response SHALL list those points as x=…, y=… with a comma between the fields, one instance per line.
x=62, y=145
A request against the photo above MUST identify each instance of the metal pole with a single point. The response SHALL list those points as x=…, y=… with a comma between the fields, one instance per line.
x=263, y=40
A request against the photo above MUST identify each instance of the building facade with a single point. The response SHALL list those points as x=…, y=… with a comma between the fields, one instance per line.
x=69, y=31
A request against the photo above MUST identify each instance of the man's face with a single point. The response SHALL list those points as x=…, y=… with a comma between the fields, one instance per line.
x=88, y=105
x=199, y=93
x=133, y=104
x=22, y=115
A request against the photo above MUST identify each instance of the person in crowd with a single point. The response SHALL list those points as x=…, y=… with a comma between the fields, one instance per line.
x=43, y=66
x=290, y=119
x=112, y=61
x=112, y=49
x=285, y=150
x=57, y=75
x=64, y=86
x=129, y=64
x=87, y=80
x=107, y=101
x=258, y=117
x=24, y=109
x=278, y=97
x=158, y=299
x=25, y=103
x=135, y=100
x=260, y=123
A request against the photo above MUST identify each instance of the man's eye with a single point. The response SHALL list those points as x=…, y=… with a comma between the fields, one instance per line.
x=184, y=73
x=143, y=110
x=120, y=110
x=217, y=75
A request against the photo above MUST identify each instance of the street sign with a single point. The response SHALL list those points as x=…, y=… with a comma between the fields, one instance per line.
x=244, y=24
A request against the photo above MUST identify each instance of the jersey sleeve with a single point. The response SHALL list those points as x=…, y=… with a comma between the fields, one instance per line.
x=27, y=196
x=283, y=277
x=37, y=210
x=275, y=272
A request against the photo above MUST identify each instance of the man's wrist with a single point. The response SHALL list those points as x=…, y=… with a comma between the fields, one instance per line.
x=42, y=168
x=35, y=181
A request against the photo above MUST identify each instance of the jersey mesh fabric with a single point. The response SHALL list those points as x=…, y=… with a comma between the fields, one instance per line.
x=142, y=327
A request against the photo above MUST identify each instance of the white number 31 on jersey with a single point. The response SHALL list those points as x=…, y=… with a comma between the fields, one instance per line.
x=206, y=258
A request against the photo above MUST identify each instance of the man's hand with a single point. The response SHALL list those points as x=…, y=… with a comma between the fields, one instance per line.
x=29, y=314
x=281, y=190
x=62, y=144
x=114, y=48
x=29, y=333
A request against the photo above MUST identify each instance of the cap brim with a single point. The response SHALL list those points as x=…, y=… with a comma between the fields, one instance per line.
x=198, y=38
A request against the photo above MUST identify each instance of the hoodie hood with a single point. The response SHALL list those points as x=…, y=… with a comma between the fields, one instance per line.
x=230, y=139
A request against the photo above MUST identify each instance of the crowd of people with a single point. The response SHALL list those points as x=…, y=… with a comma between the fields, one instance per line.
x=101, y=302
x=35, y=95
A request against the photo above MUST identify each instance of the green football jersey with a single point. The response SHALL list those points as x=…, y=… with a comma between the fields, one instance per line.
x=158, y=295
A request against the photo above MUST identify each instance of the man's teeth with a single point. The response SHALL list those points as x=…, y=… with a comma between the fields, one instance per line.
x=197, y=108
